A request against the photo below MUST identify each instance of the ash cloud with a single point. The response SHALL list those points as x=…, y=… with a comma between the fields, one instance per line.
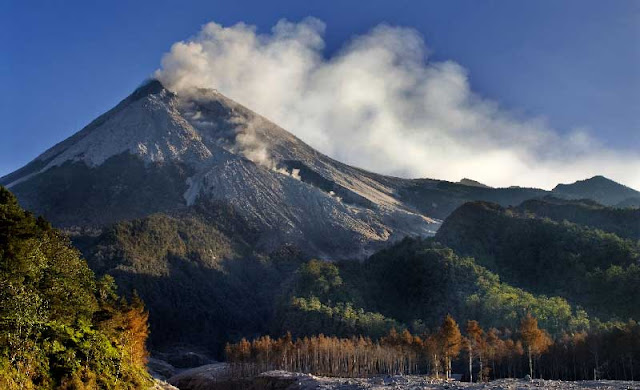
x=381, y=104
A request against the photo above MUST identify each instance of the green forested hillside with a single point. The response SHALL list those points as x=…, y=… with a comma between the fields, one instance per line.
x=59, y=326
x=413, y=284
x=589, y=267
x=203, y=287
x=196, y=272
x=624, y=222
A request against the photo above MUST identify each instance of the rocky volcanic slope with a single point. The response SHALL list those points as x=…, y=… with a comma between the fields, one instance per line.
x=160, y=152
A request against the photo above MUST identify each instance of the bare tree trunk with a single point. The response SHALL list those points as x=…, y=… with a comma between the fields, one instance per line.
x=530, y=363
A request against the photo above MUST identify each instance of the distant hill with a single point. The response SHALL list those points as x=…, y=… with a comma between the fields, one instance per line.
x=439, y=198
x=598, y=188
x=473, y=183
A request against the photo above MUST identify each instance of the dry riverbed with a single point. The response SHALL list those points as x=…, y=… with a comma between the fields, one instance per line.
x=214, y=377
x=422, y=383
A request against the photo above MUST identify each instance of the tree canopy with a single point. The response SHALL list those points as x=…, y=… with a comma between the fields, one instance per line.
x=59, y=326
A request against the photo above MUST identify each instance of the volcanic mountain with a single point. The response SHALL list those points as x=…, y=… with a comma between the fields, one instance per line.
x=162, y=152
x=157, y=151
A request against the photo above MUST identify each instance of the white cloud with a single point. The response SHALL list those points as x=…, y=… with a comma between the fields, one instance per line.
x=380, y=104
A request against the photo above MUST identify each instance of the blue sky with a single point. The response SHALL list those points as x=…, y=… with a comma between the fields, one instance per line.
x=576, y=63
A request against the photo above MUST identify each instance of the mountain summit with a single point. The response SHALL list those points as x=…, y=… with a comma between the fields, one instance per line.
x=600, y=189
x=157, y=151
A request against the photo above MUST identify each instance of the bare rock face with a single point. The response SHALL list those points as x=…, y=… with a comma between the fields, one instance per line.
x=162, y=385
x=160, y=152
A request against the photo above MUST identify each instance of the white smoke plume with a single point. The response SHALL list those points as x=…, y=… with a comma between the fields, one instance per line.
x=381, y=104
x=254, y=149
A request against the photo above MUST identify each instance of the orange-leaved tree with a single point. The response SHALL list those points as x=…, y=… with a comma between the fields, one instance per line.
x=534, y=339
x=451, y=342
x=476, y=345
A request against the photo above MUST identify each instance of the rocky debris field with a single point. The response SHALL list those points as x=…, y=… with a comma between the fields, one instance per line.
x=216, y=377
x=305, y=381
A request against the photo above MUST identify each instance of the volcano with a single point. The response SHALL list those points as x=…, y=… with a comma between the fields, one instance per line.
x=160, y=152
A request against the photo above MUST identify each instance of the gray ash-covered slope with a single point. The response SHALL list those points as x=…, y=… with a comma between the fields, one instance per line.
x=161, y=152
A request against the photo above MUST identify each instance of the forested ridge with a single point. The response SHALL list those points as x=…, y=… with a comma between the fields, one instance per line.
x=623, y=222
x=196, y=272
x=413, y=283
x=59, y=326
x=593, y=268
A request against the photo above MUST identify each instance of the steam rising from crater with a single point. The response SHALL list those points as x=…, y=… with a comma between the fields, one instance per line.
x=381, y=104
x=253, y=148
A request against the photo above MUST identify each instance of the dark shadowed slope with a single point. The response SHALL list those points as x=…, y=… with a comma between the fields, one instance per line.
x=624, y=222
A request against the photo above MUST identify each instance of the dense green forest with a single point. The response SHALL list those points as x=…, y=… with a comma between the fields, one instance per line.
x=59, y=326
x=623, y=222
x=409, y=287
x=196, y=273
x=589, y=267
x=411, y=284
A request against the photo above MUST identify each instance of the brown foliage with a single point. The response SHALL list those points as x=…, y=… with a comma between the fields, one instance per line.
x=614, y=353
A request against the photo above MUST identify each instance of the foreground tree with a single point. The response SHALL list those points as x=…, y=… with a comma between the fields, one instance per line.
x=451, y=341
x=475, y=346
x=59, y=327
x=534, y=339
